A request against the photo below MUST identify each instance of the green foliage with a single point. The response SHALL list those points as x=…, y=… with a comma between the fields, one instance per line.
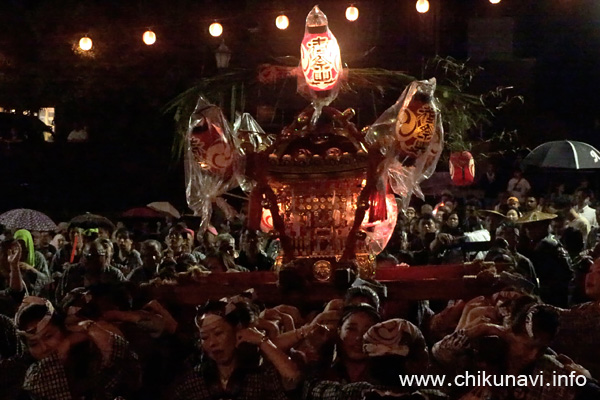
x=468, y=118
x=465, y=115
x=213, y=88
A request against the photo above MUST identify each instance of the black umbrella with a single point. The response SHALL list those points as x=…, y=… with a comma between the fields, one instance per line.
x=90, y=221
x=564, y=154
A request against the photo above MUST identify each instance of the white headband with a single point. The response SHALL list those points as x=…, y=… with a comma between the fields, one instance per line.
x=529, y=320
x=28, y=302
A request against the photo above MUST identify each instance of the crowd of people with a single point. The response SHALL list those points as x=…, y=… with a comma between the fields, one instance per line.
x=75, y=324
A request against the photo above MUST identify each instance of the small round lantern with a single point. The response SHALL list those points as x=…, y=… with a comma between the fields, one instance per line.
x=215, y=29
x=282, y=22
x=85, y=43
x=462, y=168
x=352, y=13
x=422, y=6
x=149, y=37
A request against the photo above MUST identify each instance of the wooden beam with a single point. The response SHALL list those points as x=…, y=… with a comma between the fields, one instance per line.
x=443, y=282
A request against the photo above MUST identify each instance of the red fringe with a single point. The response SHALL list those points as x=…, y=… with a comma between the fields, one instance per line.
x=377, y=205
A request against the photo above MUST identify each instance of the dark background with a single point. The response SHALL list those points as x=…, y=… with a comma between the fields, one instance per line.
x=546, y=49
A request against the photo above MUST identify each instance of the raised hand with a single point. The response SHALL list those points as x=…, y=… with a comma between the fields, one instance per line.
x=250, y=335
x=14, y=254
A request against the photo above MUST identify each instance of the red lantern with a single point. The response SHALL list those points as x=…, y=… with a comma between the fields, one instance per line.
x=321, y=60
x=211, y=148
x=266, y=221
x=462, y=168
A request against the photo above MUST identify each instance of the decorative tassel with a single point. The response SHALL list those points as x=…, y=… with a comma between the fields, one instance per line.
x=74, y=250
x=377, y=204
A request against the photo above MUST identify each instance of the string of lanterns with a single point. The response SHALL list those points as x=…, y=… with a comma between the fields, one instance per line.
x=423, y=5
x=149, y=38
x=281, y=22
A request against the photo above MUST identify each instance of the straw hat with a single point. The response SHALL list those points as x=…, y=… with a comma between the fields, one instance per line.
x=491, y=213
x=536, y=216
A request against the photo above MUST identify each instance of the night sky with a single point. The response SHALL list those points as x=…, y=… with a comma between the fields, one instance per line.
x=121, y=87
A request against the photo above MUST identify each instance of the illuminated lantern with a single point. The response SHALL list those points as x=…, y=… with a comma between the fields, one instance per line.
x=211, y=162
x=494, y=1
x=85, y=43
x=321, y=60
x=266, y=221
x=282, y=22
x=422, y=6
x=352, y=13
x=210, y=149
x=149, y=37
x=462, y=168
x=215, y=29
x=211, y=143
x=415, y=125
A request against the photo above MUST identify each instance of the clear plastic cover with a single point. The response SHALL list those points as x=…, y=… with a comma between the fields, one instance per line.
x=250, y=138
x=379, y=232
x=410, y=135
x=321, y=63
x=316, y=18
x=211, y=162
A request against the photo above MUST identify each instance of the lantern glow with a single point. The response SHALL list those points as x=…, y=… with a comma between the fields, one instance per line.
x=422, y=6
x=215, y=29
x=495, y=1
x=351, y=13
x=462, y=168
x=85, y=43
x=282, y=22
x=321, y=59
x=149, y=37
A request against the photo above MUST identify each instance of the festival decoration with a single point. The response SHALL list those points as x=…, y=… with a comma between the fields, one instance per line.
x=324, y=189
x=211, y=163
x=320, y=62
x=85, y=43
x=410, y=135
x=149, y=37
x=462, y=168
x=250, y=139
x=215, y=29
x=415, y=125
x=352, y=13
x=310, y=180
x=422, y=6
x=379, y=232
x=282, y=22
x=266, y=221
